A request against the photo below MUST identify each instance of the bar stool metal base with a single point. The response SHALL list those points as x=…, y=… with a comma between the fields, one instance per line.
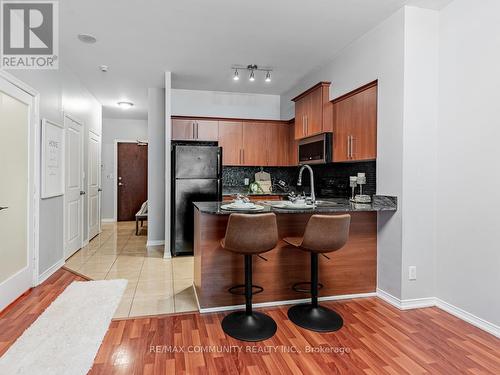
x=254, y=327
x=315, y=318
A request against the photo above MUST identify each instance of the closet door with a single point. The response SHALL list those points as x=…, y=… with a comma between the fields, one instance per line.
x=16, y=222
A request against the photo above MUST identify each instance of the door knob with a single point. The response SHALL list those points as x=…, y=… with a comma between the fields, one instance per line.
x=120, y=184
x=82, y=192
x=99, y=189
x=3, y=208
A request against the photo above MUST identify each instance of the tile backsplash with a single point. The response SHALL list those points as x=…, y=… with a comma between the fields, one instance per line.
x=331, y=180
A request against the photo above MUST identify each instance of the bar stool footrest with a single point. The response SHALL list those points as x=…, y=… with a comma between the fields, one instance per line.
x=297, y=287
x=256, y=289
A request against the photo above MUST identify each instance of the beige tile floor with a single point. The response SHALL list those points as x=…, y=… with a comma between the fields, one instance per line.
x=155, y=285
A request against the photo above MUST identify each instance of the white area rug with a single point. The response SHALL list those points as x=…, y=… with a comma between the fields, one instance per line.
x=66, y=337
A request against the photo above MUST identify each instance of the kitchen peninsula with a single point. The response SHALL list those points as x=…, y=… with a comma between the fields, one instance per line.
x=351, y=270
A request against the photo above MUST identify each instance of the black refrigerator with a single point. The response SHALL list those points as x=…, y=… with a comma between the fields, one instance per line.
x=196, y=177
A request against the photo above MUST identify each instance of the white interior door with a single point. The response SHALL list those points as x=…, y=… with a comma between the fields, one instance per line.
x=73, y=201
x=94, y=177
x=16, y=171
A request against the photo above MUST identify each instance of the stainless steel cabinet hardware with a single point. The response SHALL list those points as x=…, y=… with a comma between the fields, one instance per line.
x=193, y=131
x=348, y=146
x=82, y=192
x=120, y=184
x=99, y=189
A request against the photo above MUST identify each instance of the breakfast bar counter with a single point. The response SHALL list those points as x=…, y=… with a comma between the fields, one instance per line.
x=348, y=272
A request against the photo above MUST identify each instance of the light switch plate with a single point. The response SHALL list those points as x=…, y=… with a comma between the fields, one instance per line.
x=246, y=181
x=412, y=273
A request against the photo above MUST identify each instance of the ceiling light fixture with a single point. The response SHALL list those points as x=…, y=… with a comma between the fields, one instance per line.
x=87, y=38
x=125, y=105
x=252, y=68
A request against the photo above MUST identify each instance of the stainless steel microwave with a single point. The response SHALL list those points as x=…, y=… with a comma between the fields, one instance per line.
x=316, y=149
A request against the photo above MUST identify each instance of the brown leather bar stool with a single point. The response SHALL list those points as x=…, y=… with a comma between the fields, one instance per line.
x=323, y=234
x=250, y=234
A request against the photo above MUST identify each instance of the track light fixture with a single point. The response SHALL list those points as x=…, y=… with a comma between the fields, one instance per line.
x=252, y=68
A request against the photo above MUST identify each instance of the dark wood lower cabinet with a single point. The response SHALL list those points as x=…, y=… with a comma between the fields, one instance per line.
x=351, y=270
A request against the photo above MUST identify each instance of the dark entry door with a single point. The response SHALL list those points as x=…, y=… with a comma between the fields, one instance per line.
x=132, y=179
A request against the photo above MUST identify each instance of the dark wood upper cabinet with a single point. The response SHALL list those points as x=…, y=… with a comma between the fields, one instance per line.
x=313, y=111
x=355, y=125
x=194, y=129
x=231, y=141
x=207, y=130
x=254, y=152
x=277, y=144
x=182, y=129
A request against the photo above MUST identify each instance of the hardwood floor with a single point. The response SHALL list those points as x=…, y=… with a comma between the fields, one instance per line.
x=376, y=339
x=23, y=312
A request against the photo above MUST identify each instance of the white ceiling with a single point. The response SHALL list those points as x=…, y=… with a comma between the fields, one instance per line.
x=199, y=40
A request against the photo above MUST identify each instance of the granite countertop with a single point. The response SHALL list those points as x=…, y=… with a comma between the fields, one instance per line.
x=233, y=190
x=379, y=203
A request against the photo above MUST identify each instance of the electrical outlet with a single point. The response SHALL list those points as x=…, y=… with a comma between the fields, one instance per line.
x=412, y=273
x=246, y=181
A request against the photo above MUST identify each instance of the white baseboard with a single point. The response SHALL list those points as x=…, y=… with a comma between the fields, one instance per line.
x=44, y=276
x=468, y=317
x=406, y=304
x=281, y=303
x=419, y=303
x=108, y=220
x=155, y=243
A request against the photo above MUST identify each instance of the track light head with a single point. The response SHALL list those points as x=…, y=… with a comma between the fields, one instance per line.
x=236, y=76
x=268, y=76
x=252, y=76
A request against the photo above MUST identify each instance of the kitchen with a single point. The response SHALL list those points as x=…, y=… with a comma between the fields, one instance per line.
x=300, y=181
x=335, y=142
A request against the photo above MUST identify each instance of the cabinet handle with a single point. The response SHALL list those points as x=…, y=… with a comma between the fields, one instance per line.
x=243, y=153
x=193, y=131
x=304, y=125
x=348, y=146
x=352, y=147
x=197, y=130
x=307, y=124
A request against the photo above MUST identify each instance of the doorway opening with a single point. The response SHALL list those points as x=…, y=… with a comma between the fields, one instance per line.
x=131, y=184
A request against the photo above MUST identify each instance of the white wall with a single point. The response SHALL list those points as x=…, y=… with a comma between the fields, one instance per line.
x=60, y=90
x=225, y=104
x=468, y=235
x=156, y=166
x=402, y=54
x=116, y=129
x=419, y=150
x=377, y=55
